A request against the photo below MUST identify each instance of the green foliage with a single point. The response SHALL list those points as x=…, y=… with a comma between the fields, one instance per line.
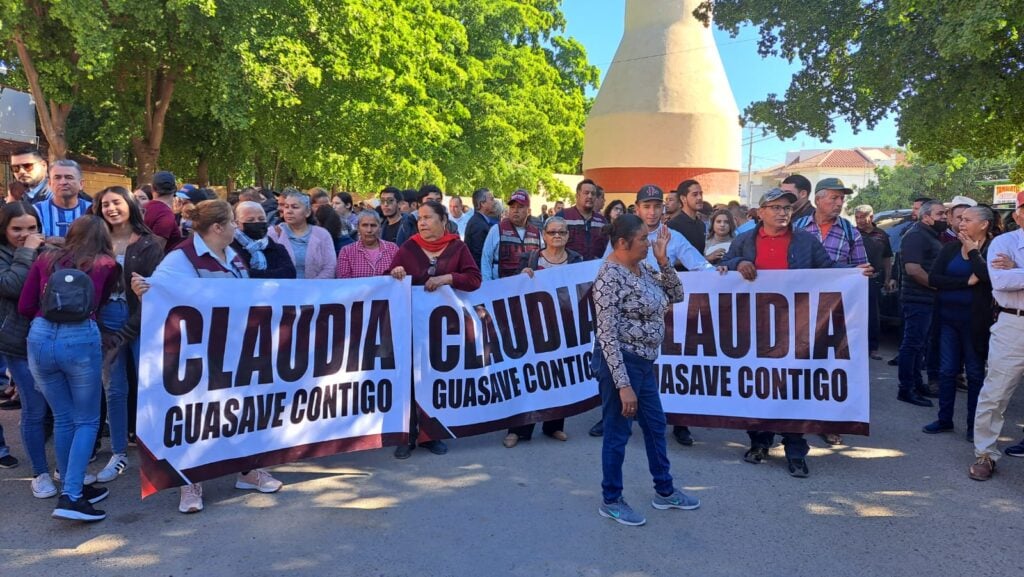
x=352, y=93
x=896, y=187
x=952, y=72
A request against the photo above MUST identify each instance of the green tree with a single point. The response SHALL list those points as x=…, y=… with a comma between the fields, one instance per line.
x=951, y=72
x=896, y=186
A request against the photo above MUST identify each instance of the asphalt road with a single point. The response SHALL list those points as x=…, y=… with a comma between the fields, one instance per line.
x=896, y=503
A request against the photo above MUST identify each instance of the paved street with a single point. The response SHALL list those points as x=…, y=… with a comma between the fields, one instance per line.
x=896, y=503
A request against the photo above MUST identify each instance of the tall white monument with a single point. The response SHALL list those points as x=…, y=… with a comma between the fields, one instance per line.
x=665, y=112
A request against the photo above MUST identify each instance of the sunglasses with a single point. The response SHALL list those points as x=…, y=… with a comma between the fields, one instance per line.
x=432, y=269
x=28, y=166
x=557, y=232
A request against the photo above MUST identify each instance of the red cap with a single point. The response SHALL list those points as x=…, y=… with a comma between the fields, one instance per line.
x=520, y=196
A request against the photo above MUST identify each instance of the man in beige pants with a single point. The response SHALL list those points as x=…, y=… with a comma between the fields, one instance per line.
x=1006, y=345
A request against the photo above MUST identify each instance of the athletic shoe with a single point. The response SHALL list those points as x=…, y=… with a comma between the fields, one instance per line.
x=43, y=487
x=621, y=512
x=89, y=478
x=191, y=500
x=94, y=494
x=258, y=480
x=677, y=500
x=80, y=510
x=115, y=466
x=1015, y=450
x=8, y=462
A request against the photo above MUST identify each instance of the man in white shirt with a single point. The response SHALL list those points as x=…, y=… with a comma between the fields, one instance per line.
x=1006, y=345
x=458, y=214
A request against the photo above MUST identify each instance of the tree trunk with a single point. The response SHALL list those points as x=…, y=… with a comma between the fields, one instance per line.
x=53, y=116
x=145, y=161
x=231, y=183
x=159, y=85
x=203, y=171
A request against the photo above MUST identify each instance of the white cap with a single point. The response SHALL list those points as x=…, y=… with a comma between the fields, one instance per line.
x=961, y=200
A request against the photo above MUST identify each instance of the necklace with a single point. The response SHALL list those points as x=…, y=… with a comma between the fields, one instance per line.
x=559, y=262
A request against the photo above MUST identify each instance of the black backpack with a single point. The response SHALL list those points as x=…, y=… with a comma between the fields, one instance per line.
x=67, y=296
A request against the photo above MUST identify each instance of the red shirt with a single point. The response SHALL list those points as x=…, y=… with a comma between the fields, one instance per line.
x=160, y=219
x=772, y=251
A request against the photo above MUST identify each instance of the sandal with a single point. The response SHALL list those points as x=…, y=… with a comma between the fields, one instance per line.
x=833, y=439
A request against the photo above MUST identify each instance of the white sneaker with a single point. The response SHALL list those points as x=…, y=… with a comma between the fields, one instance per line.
x=43, y=487
x=258, y=480
x=116, y=466
x=89, y=478
x=191, y=500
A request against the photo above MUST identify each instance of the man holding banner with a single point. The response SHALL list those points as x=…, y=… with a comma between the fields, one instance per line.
x=773, y=245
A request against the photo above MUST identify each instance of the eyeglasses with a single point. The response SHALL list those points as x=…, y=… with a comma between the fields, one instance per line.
x=388, y=201
x=777, y=208
x=432, y=269
x=557, y=232
x=27, y=167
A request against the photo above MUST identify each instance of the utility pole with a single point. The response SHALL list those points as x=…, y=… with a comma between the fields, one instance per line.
x=750, y=166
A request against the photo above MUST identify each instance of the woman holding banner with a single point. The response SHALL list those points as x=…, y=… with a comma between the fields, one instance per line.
x=554, y=254
x=631, y=299
x=207, y=253
x=433, y=258
x=369, y=255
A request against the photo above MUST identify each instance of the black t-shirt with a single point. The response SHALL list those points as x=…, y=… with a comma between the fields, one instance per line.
x=919, y=246
x=878, y=248
x=691, y=228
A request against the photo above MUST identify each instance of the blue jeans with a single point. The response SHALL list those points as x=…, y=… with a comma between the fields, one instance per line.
x=617, y=429
x=33, y=414
x=66, y=363
x=957, y=350
x=113, y=315
x=917, y=320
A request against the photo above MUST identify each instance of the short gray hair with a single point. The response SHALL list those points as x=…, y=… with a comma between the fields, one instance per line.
x=67, y=163
x=556, y=220
x=302, y=196
x=864, y=209
x=368, y=214
x=927, y=207
x=248, y=204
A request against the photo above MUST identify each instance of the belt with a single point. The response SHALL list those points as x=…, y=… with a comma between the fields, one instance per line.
x=1014, y=312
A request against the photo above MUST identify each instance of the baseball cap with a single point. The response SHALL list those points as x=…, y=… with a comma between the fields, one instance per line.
x=776, y=194
x=960, y=200
x=164, y=182
x=192, y=194
x=832, y=184
x=520, y=196
x=650, y=192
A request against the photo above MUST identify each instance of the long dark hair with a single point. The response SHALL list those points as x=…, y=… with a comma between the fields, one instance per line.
x=624, y=228
x=135, y=219
x=88, y=239
x=12, y=211
x=327, y=218
x=611, y=206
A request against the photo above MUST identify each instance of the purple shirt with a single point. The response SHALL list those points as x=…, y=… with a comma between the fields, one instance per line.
x=837, y=243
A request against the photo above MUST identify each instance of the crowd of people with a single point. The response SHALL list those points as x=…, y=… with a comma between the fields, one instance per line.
x=74, y=269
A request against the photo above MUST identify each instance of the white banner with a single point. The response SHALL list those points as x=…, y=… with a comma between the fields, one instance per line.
x=787, y=352
x=515, y=351
x=240, y=374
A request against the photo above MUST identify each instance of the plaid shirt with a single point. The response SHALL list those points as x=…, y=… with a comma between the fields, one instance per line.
x=837, y=245
x=354, y=260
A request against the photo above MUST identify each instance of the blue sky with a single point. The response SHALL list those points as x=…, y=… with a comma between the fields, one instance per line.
x=598, y=25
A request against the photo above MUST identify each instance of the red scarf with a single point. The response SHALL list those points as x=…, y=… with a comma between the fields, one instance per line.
x=434, y=245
